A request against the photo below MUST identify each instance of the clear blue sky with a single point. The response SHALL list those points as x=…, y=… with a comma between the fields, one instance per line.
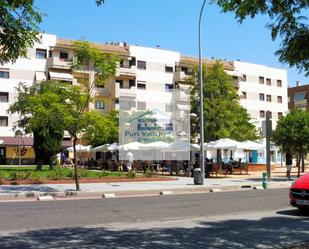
x=172, y=24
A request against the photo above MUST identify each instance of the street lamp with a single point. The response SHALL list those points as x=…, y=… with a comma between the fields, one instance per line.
x=202, y=157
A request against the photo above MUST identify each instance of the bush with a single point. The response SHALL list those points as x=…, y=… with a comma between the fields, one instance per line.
x=51, y=175
x=148, y=173
x=36, y=179
x=69, y=174
x=1, y=182
x=83, y=173
x=24, y=175
x=14, y=183
x=131, y=174
x=59, y=174
x=13, y=176
x=103, y=174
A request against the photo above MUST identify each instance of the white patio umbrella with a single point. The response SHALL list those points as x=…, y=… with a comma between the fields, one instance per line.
x=113, y=147
x=223, y=143
x=101, y=148
x=179, y=145
x=154, y=145
x=130, y=146
x=80, y=148
x=250, y=145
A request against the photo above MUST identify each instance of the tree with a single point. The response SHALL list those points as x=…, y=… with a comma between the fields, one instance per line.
x=101, y=129
x=19, y=29
x=286, y=21
x=223, y=115
x=96, y=68
x=42, y=111
x=292, y=133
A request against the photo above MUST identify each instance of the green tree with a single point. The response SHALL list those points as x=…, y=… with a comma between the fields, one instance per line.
x=42, y=112
x=19, y=22
x=292, y=133
x=96, y=67
x=101, y=129
x=287, y=22
x=223, y=115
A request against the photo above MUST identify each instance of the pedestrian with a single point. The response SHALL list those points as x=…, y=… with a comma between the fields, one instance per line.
x=129, y=158
x=288, y=164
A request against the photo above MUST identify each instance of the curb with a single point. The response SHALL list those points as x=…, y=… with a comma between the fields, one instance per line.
x=131, y=193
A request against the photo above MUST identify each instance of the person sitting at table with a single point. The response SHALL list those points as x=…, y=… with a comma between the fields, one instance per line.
x=229, y=169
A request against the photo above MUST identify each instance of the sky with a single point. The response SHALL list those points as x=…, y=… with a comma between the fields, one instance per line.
x=172, y=24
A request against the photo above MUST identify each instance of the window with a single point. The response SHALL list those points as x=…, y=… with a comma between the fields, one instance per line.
x=50, y=53
x=3, y=121
x=168, y=87
x=120, y=82
x=268, y=98
x=279, y=114
x=99, y=104
x=279, y=83
x=131, y=83
x=169, y=107
x=132, y=61
x=262, y=97
x=169, y=69
x=40, y=53
x=270, y=114
x=244, y=95
x=141, y=86
x=4, y=97
x=141, y=105
x=261, y=80
x=279, y=99
x=300, y=98
x=4, y=74
x=169, y=126
x=268, y=82
x=141, y=65
x=262, y=114
x=64, y=56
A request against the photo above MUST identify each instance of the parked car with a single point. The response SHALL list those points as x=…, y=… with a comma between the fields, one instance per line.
x=299, y=192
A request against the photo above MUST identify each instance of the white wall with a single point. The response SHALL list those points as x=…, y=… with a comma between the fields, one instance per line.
x=22, y=71
x=253, y=88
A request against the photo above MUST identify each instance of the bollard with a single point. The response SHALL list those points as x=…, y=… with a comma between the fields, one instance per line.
x=264, y=180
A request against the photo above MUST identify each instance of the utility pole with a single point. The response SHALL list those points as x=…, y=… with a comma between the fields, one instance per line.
x=268, y=127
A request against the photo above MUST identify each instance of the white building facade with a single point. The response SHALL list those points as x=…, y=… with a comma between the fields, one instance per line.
x=146, y=77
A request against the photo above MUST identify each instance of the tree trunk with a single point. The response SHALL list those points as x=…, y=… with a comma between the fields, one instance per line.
x=303, y=163
x=76, y=176
x=298, y=158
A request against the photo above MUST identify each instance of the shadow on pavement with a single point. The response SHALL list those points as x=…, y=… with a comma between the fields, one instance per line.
x=7, y=189
x=295, y=212
x=273, y=232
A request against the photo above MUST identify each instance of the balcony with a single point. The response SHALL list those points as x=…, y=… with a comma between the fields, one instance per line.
x=126, y=71
x=182, y=95
x=102, y=91
x=55, y=62
x=181, y=76
x=125, y=92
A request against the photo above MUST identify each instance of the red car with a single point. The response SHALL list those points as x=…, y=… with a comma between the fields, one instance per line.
x=299, y=192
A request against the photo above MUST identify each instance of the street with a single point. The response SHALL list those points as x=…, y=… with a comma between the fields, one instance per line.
x=240, y=219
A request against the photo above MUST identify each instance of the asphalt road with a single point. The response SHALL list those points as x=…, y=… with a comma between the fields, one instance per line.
x=247, y=219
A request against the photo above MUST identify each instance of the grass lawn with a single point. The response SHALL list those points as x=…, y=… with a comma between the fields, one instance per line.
x=14, y=173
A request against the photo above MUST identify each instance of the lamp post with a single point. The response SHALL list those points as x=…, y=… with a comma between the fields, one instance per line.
x=202, y=157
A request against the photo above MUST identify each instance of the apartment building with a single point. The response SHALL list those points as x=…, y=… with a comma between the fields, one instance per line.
x=298, y=96
x=262, y=89
x=144, y=80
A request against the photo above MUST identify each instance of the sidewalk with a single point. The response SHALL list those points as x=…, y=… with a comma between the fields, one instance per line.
x=180, y=185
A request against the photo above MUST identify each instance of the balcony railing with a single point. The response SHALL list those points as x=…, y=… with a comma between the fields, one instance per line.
x=55, y=62
x=124, y=92
x=126, y=71
x=182, y=76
